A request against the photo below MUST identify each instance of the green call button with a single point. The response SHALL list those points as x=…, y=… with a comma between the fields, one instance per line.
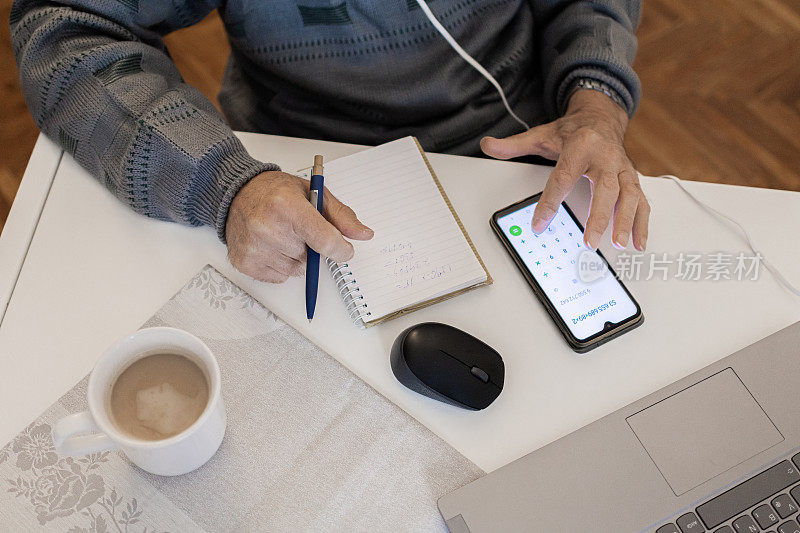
x=515, y=230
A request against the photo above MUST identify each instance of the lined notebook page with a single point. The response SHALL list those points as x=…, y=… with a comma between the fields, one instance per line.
x=418, y=252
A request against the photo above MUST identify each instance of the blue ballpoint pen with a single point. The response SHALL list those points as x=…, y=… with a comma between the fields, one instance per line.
x=312, y=257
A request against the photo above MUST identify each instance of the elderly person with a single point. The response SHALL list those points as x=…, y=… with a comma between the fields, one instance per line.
x=97, y=77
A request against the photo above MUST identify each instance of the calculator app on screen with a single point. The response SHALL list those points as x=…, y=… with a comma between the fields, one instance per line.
x=553, y=258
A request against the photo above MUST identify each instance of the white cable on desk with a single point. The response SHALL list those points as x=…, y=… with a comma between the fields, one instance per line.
x=775, y=272
x=469, y=59
x=477, y=66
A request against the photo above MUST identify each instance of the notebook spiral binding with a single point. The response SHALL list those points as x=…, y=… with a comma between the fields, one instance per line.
x=348, y=289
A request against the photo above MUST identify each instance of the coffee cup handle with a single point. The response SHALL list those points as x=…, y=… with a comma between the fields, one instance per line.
x=90, y=439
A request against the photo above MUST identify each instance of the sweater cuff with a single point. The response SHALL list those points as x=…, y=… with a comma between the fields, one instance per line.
x=565, y=89
x=229, y=172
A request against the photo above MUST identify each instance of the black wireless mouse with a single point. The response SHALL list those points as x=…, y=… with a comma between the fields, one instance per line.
x=447, y=364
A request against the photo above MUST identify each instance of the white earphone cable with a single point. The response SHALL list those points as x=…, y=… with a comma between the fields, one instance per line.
x=469, y=59
x=775, y=272
x=477, y=66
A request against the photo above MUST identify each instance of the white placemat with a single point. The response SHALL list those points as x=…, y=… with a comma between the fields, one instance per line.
x=309, y=446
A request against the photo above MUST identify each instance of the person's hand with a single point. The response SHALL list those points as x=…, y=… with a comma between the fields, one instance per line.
x=587, y=141
x=271, y=220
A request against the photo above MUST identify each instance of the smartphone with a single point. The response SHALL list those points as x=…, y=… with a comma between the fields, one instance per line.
x=577, y=286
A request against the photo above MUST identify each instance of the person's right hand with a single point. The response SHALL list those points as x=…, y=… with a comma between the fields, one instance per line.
x=271, y=220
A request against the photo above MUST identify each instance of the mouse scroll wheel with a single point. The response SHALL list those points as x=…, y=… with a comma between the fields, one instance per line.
x=480, y=374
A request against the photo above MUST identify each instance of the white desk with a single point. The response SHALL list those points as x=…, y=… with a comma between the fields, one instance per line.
x=85, y=270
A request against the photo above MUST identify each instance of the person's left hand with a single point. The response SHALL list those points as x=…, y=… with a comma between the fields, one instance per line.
x=586, y=141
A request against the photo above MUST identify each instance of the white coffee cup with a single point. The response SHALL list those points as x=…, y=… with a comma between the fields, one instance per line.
x=92, y=431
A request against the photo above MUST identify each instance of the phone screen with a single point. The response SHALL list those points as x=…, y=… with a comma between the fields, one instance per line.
x=571, y=275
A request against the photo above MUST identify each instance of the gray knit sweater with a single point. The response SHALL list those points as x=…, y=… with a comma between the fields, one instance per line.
x=97, y=76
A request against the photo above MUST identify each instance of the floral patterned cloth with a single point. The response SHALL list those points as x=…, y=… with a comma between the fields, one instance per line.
x=309, y=446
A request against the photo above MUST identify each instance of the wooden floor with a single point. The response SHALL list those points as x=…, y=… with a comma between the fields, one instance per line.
x=721, y=92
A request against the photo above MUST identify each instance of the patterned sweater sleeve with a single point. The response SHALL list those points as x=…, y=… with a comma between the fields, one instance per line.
x=588, y=39
x=97, y=78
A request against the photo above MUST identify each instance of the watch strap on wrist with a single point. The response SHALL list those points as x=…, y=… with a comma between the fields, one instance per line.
x=596, y=85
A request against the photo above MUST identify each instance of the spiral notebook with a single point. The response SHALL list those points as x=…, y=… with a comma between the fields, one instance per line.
x=420, y=254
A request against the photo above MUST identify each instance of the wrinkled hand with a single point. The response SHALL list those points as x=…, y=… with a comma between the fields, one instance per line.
x=587, y=141
x=271, y=220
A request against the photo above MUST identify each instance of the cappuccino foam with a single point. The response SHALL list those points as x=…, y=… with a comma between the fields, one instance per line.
x=158, y=396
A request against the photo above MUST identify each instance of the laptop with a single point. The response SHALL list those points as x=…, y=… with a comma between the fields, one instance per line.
x=716, y=451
